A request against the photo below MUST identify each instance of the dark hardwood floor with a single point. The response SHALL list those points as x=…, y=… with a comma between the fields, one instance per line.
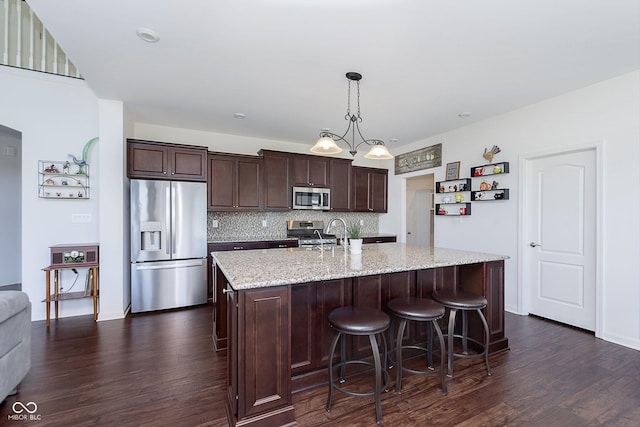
x=160, y=370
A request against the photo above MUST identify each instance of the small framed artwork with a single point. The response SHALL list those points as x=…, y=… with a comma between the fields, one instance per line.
x=453, y=171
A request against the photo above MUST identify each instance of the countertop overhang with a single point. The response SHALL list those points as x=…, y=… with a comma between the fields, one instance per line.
x=276, y=267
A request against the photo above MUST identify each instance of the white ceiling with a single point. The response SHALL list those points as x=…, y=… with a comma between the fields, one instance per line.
x=283, y=62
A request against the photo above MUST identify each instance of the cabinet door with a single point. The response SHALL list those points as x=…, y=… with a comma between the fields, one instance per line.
x=330, y=294
x=277, y=188
x=147, y=160
x=188, y=164
x=264, y=380
x=360, y=189
x=378, y=191
x=340, y=184
x=232, y=350
x=249, y=184
x=221, y=182
x=310, y=171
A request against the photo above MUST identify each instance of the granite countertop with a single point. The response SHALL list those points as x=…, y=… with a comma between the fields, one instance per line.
x=262, y=268
x=279, y=237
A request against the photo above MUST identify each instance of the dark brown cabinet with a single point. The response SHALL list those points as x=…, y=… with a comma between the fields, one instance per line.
x=379, y=239
x=157, y=160
x=261, y=343
x=369, y=189
x=276, y=179
x=235, y=183
x=340, y=184
x=309, y=171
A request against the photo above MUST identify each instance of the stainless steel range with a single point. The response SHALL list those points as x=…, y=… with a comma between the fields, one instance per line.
x=310, y=233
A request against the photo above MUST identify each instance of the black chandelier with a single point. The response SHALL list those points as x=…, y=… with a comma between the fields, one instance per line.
x=327, y=142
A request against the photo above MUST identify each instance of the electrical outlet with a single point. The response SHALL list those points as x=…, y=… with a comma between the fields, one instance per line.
x=362, y=222
x=214, y=223
x=264, y=222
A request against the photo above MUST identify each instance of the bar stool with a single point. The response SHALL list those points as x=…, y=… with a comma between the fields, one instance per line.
x=419, y=310
x=465, y=302
x=359, y=321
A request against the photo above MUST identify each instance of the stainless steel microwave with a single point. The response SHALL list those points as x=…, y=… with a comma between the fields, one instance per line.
x=311, y=198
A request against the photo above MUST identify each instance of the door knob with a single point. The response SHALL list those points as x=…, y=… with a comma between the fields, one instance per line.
x=408, y=232
x=534, y=244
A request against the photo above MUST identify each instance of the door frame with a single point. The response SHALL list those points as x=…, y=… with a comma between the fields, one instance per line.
x=524, y=162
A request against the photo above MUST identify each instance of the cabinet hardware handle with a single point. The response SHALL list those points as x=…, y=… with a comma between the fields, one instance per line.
x=227, y=291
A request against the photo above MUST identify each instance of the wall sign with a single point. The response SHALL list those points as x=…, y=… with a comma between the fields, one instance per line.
x=424, y=158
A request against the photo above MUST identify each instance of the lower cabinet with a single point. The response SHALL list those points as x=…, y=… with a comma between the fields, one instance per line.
x=259, y=372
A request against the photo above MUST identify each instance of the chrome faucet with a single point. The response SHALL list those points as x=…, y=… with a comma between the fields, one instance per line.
x=344, y=236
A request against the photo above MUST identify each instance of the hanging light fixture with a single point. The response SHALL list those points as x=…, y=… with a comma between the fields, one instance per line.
x=327, y=142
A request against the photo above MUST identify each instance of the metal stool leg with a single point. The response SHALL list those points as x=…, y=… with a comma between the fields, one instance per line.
x=442, y=352
x=486, y=340
x=403, y=324
x=450, y=332
x=430, y=346
x=465, y=331
x=331, y=351
x=378, y=368
x=343, y=357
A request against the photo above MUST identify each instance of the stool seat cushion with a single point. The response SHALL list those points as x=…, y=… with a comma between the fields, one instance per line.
x=459, y=299
x=412, y=308
x=358, y=320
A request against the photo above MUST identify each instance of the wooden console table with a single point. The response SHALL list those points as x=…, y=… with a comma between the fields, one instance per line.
x=56, y=296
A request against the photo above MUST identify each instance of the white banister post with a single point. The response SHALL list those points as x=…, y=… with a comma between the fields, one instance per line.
x=43, y=45
x=18, y=33
x=32, y=36
x=5, y=50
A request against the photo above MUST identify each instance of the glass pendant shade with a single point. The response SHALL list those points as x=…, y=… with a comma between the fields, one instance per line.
x=379, y=152
x=326, y=145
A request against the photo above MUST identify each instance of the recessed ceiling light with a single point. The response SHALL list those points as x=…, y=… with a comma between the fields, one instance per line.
x=147, y=35
x=239, y=115
x=393, y=140
x=464, y=115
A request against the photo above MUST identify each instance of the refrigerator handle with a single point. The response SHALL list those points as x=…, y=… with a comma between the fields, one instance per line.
x=173, y=218
x=168, y=220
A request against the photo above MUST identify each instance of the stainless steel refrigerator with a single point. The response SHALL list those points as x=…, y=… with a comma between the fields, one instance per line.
x=168, y=244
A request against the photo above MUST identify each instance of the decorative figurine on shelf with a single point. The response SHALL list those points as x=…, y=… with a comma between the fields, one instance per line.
x=83, y=161
x=479, y=196
x=489, y=154
x=441, y=189
x=494, y=185
x=453, y=188
x=462, y=187
x=64, y=182
x=484, y=186
x=65, y=167
x=80, y=194
x=52, y=169
x=459, y=197
x=498, y=196
x=497, y=169
x=478, y=172
x=49, y=181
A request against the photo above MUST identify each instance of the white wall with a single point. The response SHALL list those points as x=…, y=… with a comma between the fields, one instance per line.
x=609, y=112
x=56, y=116
x=10, y=212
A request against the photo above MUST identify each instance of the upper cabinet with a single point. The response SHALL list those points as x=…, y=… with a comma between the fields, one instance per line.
x=309, y=171
x=369, y=189
x=340, y=184
x=157, y=160
x=276, y=179
x=235, y=183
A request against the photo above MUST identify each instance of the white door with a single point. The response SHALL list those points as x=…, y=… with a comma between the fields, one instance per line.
x=560, y=206
x=419, y=216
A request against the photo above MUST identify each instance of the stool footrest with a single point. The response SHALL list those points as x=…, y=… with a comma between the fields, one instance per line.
x=385, y=386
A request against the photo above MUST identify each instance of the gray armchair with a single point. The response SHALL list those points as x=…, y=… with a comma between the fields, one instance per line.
x=15, y=340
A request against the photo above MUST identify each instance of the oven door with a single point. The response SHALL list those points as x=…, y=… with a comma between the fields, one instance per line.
x=311, y=198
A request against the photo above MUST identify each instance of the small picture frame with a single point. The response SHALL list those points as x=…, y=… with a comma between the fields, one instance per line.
x=453, y=171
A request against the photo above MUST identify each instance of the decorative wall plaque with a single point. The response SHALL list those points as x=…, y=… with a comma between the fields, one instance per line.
x=424, y=158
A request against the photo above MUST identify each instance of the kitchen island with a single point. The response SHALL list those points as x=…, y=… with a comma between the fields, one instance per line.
x=277, y=303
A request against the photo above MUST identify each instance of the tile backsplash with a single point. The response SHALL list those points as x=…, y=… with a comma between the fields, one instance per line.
x=238, y=226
